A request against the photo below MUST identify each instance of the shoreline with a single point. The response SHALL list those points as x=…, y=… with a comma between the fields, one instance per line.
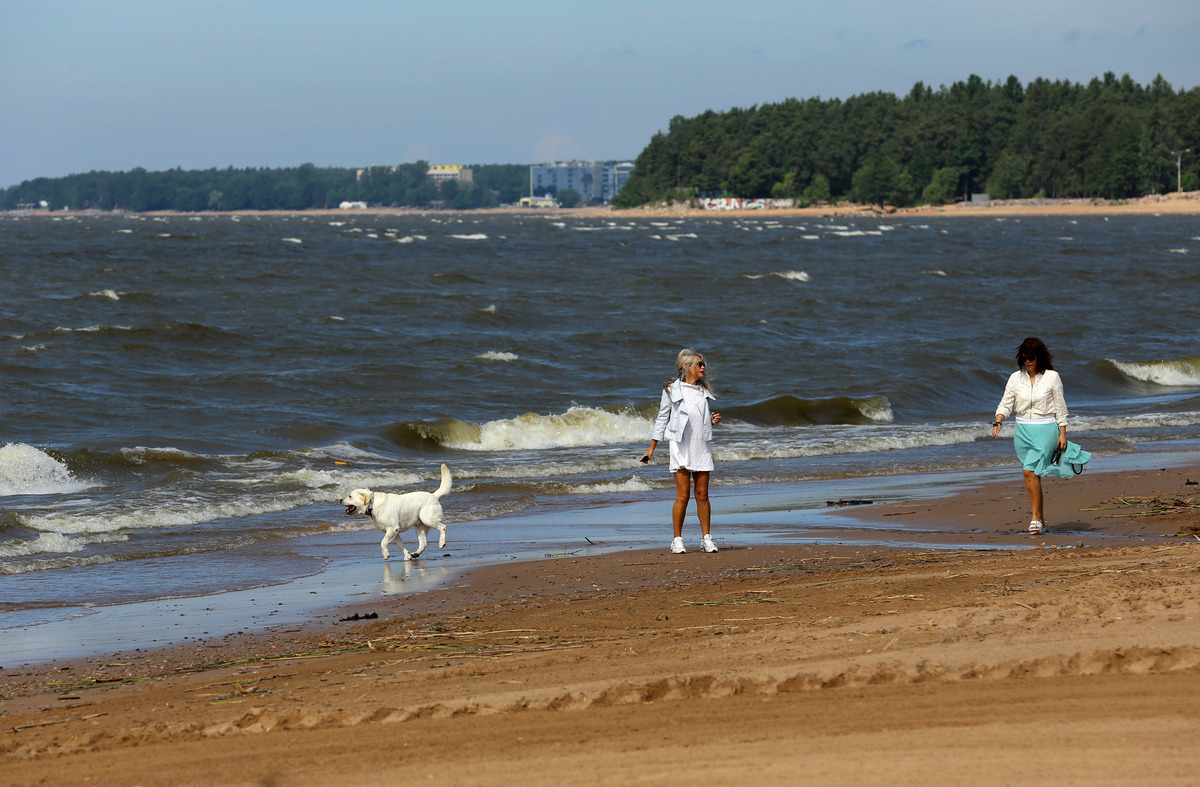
x=939, y=510
x=1175, y=203
x=849, y=662
x=978, y=510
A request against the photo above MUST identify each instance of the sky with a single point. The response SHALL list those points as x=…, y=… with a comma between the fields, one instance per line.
x=116, y=84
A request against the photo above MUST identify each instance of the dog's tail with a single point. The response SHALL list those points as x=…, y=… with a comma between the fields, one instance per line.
x=445, y=487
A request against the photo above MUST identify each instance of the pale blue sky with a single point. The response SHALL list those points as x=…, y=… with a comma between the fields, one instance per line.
x=116, y=84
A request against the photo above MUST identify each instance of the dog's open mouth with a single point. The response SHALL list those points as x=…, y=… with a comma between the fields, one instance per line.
x=351, y=510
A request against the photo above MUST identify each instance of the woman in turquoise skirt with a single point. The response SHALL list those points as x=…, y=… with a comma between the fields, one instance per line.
x=1035, y=393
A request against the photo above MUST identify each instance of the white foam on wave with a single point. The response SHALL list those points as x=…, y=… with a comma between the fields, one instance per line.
x=856, y=233
x=150, y=512
x=291, y=240
x=472, y=236
x=1173, y=372
x=42, y=564
x=1177, y=251
x=348, y=478
x=496, y=356
x=1122, y=423
x=24, y=470
x=55, y=544
x=489, y=309
x=578, y=426
x=628, y=485
x=787, y=275
x=841, y=440
x=111, y=295
x=90, y=329
x=141, y=454
x=877, y=408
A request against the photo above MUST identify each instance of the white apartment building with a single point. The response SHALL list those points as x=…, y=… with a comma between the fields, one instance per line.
x=591, y=180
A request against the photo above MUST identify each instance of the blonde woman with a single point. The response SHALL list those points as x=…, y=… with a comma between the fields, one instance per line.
x=684, y=418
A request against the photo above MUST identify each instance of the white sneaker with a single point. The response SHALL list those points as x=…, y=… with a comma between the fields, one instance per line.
x=677, y=545
x=708, y=544
x=1036, y=527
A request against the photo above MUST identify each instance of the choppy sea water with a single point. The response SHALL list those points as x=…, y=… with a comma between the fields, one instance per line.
x=182, y=398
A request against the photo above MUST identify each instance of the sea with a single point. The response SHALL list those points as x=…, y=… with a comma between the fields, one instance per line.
x=184, y=399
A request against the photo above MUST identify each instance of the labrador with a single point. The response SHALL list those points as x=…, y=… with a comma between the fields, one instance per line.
x=393, y=514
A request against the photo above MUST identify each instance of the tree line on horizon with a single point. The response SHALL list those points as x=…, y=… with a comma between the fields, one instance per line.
x=292, y=188
x=1111, y=138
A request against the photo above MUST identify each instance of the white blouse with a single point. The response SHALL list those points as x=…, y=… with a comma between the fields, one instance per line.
x=1040, y=400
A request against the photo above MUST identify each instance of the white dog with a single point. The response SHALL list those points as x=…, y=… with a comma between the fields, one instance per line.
x=393, y=514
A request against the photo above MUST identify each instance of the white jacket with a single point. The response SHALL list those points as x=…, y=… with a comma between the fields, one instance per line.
x=1041, y=399
x=673, y=415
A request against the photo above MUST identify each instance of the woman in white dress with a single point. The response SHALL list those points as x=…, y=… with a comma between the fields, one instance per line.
x=684, y=419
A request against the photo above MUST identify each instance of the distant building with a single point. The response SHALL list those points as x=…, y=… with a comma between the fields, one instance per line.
x=539, y=202
x=439, y=173
x=592, y=181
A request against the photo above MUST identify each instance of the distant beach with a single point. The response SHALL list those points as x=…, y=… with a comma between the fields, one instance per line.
x=1177, y=203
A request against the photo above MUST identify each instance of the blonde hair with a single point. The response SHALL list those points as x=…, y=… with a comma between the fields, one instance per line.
x=685, y=360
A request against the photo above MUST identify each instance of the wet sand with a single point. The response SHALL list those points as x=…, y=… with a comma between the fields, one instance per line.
x=1035, y=660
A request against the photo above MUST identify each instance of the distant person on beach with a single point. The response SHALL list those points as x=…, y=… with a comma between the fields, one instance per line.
x=1035, y=393
x=684, y=419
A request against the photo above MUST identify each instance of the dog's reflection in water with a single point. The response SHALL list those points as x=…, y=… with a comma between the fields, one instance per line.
x=393, y=578
x=398, y=577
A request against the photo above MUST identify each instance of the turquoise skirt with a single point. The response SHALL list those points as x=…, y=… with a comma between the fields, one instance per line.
x=1035, y=444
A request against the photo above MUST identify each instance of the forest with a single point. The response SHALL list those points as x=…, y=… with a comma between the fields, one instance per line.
x=1111, y=138
x=294, y=188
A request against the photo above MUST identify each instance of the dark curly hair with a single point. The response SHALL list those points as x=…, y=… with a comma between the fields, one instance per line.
x=1034, y=349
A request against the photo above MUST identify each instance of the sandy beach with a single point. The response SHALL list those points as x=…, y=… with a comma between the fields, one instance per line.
x=1038, y=661
x=1175, y=203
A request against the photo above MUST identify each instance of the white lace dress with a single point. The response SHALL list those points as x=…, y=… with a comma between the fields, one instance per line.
x=693, y=452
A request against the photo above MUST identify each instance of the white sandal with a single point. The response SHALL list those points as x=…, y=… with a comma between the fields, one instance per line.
x=1036, y=527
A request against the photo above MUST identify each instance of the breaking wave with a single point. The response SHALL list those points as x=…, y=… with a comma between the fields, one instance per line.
x=578, y=426
x=1171, y=372
x=787, y=275
x=24, y=470
x=793, y=411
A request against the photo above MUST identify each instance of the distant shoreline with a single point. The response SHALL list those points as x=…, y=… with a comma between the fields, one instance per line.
x=1186, y=203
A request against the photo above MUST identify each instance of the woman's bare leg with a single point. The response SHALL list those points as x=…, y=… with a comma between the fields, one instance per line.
x=683, y=491
x=1033, y=487
x=703, y=507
